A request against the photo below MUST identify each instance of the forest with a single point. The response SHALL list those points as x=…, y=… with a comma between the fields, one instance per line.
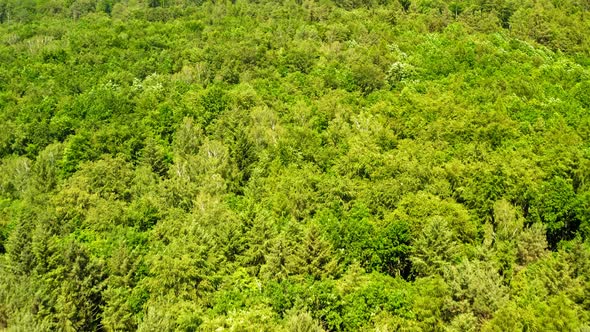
x=295, y=165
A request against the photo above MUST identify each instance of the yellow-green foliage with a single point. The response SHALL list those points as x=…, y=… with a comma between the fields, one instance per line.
x=297, y=165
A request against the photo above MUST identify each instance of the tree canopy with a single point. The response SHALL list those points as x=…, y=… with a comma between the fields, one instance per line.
x=295, y=165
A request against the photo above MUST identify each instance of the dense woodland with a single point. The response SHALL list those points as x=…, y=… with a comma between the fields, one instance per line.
x=296, y=165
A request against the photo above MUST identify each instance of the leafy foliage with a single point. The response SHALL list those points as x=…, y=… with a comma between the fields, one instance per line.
x=325, y=165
